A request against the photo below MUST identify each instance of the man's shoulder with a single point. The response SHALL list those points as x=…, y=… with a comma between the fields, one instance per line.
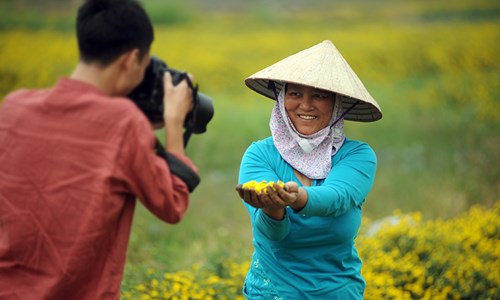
x=121, y=105
x=23, y=94
x=121, y=112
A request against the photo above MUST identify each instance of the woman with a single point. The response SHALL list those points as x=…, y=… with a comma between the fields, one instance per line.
x=304, y=232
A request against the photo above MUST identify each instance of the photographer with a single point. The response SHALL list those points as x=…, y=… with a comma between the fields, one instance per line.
x=75, y=157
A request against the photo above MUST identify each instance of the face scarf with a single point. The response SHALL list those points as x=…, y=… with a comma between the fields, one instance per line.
x=312, y=154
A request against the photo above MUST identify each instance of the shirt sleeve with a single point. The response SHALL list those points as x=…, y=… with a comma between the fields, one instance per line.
x=255, y=165
x=148, y=176
x=346, y=186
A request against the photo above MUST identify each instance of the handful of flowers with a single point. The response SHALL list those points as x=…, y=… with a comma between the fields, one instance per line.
x=261, y=187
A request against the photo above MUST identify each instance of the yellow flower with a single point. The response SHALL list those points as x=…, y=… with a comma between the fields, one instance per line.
x=261, y=187
x=140, y=287
x=155, y=293
x=154, y=282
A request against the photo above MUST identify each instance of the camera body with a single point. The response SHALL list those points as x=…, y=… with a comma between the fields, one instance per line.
x=148, y=96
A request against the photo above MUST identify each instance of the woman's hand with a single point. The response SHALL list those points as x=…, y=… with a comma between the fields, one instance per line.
x=274, y=202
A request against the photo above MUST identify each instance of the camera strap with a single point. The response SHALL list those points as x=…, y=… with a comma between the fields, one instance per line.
x=178, y=167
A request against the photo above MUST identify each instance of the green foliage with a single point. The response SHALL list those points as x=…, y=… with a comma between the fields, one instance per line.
x=36, y=15
x=169, y=13
x=61, y=15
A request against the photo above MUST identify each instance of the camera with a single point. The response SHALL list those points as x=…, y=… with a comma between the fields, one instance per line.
x=148, y=96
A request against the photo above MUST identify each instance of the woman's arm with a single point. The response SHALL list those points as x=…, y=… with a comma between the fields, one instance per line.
x=347, y=185
x=267, y=219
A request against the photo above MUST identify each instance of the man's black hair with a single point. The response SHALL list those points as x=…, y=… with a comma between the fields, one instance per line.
x=108, y=28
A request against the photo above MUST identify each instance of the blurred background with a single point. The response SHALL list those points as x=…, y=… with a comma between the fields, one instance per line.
x=433, y=66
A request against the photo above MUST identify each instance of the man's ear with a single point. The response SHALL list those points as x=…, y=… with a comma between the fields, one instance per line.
x=129, y=59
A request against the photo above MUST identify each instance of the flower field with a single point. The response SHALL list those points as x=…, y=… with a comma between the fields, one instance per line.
x=404, y=257
x=434, y=68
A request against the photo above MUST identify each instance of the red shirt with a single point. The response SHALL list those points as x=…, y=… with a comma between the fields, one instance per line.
x=72, y=162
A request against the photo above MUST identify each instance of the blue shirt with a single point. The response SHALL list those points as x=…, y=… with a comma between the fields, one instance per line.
x=310, y=254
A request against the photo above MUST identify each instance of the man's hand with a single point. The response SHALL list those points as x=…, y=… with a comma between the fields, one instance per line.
x=177, y=103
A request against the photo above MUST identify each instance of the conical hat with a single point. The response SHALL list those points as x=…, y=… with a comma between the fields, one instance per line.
x=323, y=67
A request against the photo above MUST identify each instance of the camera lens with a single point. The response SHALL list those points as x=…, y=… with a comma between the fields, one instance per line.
x=202, y=113
x=148, y=96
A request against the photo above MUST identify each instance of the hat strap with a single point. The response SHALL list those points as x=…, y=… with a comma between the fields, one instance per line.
x=344, y=113
x=272, y=87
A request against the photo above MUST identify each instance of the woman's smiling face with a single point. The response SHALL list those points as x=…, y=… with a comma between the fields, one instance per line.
x=309, y=109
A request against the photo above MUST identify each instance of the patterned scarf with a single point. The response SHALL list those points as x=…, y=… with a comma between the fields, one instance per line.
x=312, y=154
